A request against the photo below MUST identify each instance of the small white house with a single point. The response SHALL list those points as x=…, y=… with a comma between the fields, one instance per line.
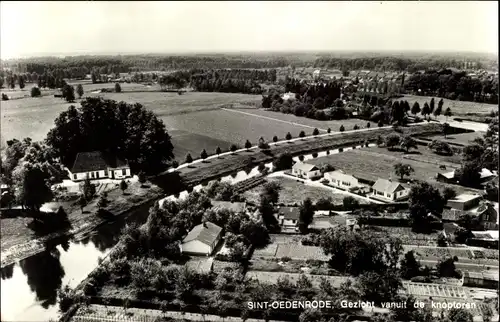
x=97, y=165
x=202, y=239
x=389, y=190
x=306, y=170
x=340, y=179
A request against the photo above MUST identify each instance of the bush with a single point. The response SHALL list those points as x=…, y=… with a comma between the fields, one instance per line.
x=175, y=164
x=380, y=123
x=315, y=155
x=302, y=134
x=342, y=128
x=356, y=127
x=35, y=92
x=5, y=97
x=368, y=125
x=329, y=130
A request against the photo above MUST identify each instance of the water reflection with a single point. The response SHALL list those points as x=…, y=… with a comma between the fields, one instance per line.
x=44, y=273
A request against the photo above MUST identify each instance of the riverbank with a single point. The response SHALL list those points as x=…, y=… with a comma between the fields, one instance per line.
x=20, y=242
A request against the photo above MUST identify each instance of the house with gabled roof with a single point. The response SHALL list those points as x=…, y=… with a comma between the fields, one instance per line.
x=389, y=190
x=202, y=239
x=98, y=165
x=306, y=170
x=288, y=217
x=340, y=179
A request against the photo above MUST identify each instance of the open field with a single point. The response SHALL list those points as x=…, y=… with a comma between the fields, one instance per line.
x=185, y=142
x=373, y=163
x=457, y=107
x=462, y=139
x=334, y=125
x=295, y=192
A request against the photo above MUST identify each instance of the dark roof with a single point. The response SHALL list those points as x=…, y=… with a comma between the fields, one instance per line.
x=485, y=275
x=206, y=233
x=93, y=161
x=291, y=213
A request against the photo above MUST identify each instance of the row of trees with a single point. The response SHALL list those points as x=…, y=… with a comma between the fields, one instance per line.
x=454, y=85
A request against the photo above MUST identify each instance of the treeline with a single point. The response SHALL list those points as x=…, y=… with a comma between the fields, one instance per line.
x=316, y=101
x=453, y=85
x=398, y=63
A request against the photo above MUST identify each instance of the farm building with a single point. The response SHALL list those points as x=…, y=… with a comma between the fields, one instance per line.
x=98, y=165
x=233, y=206
x=485, y=239
x=340, y=179
x=306, y=170
x=450, y=177
x=481, y=279
x=389, y=190
x=202, y=239
x=464, y=201
x=288, y=218
x=446, y=177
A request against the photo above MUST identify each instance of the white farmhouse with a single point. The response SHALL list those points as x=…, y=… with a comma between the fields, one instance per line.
x=306, y=170
x=340, y=179
x=389, y=190
x=202, y=239
x=97, y=165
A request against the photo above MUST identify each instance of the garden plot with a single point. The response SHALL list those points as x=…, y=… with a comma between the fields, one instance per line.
x=294, y=251
x=439, y=252
x=272, y=277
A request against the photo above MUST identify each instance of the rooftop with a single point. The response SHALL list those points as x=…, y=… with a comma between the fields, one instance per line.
x=304, y=166
x=464, y=197
x=206, y=233
x=485, y=275
x=96, y=160
x=291, y=213
x=387, y=186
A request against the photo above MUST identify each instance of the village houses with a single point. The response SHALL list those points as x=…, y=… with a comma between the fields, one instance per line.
x=202, y=239
x=306, y=170
x=340, y=179
x=389, y=190
x=288, y=218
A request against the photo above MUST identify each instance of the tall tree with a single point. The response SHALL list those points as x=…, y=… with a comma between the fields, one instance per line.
x=79, y=90
x=402, y=170
x=407, y=143
x=415, y=109
x=21, y=81
x=31, y=189
x=447, y=113
x=68, y=92
x=424, y=199
x=203, y=154
x=431, y=106
x=118, y=88
x=426, y=110
x=306, y=214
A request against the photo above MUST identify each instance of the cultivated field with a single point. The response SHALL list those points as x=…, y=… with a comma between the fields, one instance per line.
x=457, y=107
x=334, y=125
x=294, y=251
x=295, y=192
x=272, y=277
x=463, y=138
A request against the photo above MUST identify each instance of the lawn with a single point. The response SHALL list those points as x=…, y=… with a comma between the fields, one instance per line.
x=462, y=139
x=373, y=163
x=295, y=192
x=334, y=125
x=457, y=107
x=185, y=142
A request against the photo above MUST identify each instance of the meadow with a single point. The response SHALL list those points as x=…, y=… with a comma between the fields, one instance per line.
x=462, y=138
x=457, y=107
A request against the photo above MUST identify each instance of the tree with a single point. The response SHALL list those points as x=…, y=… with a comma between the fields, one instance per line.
x=402, y=170
x=415, y=109
x=288, y=136
x=459, y=315
x=306, y=214
x=441, y=240
x=283, y=161
x=141, y=177
x=392, y=140
x=446, y=267
x=233, y=148
x=431, y=106
x=447, y=113
x=379, y=287
x=350, y=203
x=440, y=147
x=30, y=186
x=189, y=158
x=218, y=151
x=263, y=144
x=440, y=104
x=407, y=143
x=410, y=267
x=79, y=90
x=449, y=193
x=123, y=186
x=118, y=88
x=68, y=93
x=271, y=190
x=21, y=81
x=356, y=127
x=88, y=189
x=446, y=128
x=35, y=92
x=380, y=123
x=82, y=202
x=248, y=145
x=424, y=199
x=368, y=125
x=315, y=132
x=302, y=134
x=342, y=129
x=275, y=139
x=439, y=109
x=203, y=154
x=469, y=174
x=426, y=110
x=329, y=130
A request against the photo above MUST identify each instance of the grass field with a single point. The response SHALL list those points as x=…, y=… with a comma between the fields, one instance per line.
x=295, y=192
x=463, y=138
x=457, y=107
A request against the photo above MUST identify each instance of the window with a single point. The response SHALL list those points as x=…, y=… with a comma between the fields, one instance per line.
x=74, y=177
x=124, y=172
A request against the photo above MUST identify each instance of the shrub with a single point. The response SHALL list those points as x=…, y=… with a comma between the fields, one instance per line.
x=275, y=139
x=5, y=97
x=368, y=125
x=118, y=88
x=315, y=131
x=356, y=127
x=175, y=164
x=35, y=92
x=302, y=134
x=342, y=128
x=380, y=123
x=315, y=154
x=329, y=130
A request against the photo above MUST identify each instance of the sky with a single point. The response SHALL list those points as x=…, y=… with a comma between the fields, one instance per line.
x=82, y=27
